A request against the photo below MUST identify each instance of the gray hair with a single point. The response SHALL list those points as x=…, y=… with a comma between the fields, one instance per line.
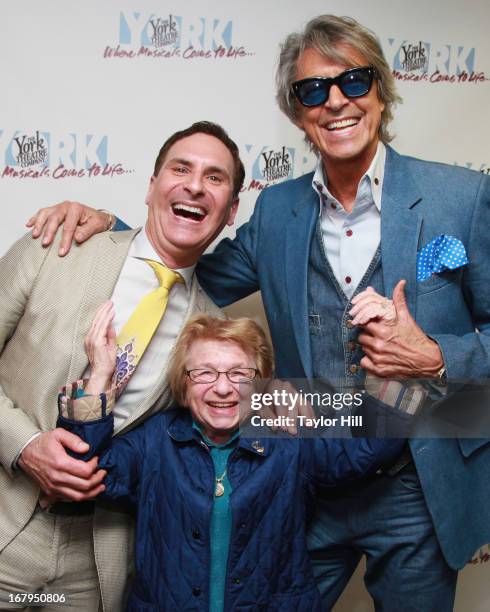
x=335, y=38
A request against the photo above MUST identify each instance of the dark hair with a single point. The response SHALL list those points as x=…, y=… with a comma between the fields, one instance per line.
x=213, y=129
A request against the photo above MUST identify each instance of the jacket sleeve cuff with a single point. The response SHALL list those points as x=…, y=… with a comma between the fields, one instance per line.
x=16, y=432
x=73, y=404
x=119, y=225
x=87, y=416
x=15, y=466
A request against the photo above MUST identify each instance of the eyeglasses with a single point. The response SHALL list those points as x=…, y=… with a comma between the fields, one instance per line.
x=353, y=83
x=209, y=375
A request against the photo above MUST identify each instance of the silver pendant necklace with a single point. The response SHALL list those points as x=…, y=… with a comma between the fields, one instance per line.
x=219, y=487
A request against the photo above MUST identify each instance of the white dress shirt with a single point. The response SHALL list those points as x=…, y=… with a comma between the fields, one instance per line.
x=350, y=239
x=137, y=279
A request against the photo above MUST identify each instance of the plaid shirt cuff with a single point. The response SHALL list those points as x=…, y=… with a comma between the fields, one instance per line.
x=407, y=397
x=75, y=405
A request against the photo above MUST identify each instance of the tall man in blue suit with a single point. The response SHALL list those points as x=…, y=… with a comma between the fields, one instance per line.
x=410, y=229
x=363, y=219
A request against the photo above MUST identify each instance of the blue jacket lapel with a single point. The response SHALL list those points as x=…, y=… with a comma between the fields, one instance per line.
x=401, y=223
x=300, y=230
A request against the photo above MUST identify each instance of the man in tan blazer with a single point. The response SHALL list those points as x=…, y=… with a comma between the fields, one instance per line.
x=46, y=308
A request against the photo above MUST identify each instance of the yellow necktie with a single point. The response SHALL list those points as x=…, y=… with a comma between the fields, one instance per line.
x=138, y=330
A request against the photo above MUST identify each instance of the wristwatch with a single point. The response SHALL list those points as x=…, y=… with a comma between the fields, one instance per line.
x=441, y=378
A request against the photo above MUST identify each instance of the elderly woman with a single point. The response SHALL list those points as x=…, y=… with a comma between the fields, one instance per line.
x=221, y=520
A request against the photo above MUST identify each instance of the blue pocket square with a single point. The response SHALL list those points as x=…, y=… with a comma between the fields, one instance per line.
x=443, y=253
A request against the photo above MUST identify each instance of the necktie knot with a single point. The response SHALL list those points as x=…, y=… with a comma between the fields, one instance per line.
x=166, y=277
x=139, y=329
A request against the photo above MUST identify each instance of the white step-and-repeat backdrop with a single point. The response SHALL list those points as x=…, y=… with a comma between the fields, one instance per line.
x=91, y=90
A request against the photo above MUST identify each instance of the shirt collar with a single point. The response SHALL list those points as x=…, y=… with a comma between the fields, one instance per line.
x=141, y=248
x=209, y=442
x=371, y=183
x=182, y=429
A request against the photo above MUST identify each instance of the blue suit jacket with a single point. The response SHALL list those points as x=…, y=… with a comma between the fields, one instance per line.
x=420, y=201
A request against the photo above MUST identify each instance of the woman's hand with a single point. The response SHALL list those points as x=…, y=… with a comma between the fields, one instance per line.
x=370, y=306
x=100, y=346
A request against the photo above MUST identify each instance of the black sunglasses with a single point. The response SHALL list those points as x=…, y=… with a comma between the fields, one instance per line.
x=353, y=83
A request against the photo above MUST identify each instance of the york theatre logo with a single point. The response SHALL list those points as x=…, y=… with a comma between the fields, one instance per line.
x=415, y=57
x=164, y=31
x=433, y=62
x=274, y=165
x=30, y=150
x=136, y=29
x=56, y=155
x=174, y=36
x=269, y=165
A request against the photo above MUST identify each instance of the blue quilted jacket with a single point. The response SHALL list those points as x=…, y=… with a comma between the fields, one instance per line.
x=164, y=471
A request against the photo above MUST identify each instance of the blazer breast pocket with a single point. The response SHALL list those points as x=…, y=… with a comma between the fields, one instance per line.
x=439, y=281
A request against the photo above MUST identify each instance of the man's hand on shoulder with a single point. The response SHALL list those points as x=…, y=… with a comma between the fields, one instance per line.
x=80, y=222
x=60, y=476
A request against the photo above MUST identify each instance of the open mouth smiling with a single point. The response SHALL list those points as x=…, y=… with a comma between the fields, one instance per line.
x=341, y=124
x=222, y=405
x=187, y=211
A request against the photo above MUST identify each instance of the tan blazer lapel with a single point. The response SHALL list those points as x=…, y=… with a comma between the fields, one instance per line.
x=101, y=272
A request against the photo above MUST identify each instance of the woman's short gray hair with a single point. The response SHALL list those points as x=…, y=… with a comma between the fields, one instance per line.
x=335, y=38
